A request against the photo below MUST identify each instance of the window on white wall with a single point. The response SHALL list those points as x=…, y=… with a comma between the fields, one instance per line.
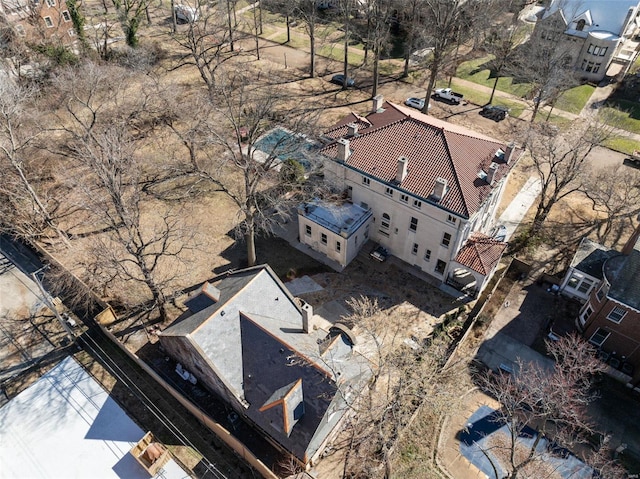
x=417, y=204
x=427, y=255
x=323, y=238
x=338, y=246
x=385, y=223
x=413, y=225
x=388, y=191
x=414, y=250
x=451, y=219
x=366, y=181
x=404, y=198
x=307, y=230
x=440, y=266
x=446, y=240
x=579, y=283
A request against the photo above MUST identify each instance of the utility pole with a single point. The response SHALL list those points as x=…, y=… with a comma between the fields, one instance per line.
x=49, y=302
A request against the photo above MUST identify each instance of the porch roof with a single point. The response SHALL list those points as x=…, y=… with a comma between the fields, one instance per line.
x=481, y=253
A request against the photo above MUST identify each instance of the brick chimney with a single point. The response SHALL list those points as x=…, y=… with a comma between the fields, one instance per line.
x=343, y=149
x=508, y=152
x=491, y=173
x=439, y=189
x=401, y=172
x=378, y=100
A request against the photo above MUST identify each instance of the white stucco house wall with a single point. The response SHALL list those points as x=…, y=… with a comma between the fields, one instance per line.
x=429, y=185
x=336, y=229
x=585, y=272
x=600, y=35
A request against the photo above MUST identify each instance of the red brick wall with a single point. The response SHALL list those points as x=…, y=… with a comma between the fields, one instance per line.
x=625, y=336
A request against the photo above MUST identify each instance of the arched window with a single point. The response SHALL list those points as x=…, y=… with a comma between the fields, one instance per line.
x=386, y=221
x=580, y=25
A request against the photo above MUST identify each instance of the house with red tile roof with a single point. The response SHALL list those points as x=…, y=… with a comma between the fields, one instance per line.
x=432, y=187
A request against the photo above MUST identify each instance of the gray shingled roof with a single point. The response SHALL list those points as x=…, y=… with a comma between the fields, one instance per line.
x=624, y=274
x=590, y=257
x=253, y=338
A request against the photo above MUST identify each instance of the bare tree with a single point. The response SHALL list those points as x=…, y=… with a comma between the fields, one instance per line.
x=406, y=378
x=551, y=401
x=615, y=198
x=413, y=28
x=307, y=12
x=547, y=65
x=560, y=161
x=444, y=21
x=379, y=13
x=207, y=45
x=449, y=24
x=224, y=147
x=501, y=44
x=27, y=209
x=102, y=130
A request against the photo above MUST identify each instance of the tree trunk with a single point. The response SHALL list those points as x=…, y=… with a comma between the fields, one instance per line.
x=432, y=81
x=493, y=90
x=288, y=29
x=256, y=28
x=158, y=297
x=250, y=238
x=376, y=69
x=230, y=25
x=312, y=46
x=345, y=67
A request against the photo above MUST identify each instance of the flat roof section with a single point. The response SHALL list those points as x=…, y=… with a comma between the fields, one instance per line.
x=65, y=425
x=343, y=219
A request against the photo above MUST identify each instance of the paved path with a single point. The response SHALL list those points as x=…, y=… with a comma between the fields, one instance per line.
x=299, y=58
x=517, y=209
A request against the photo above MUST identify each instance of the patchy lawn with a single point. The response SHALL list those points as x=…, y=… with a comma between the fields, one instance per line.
x=623, y=145
x=476, y=71
x=574, y=99
x=623, y=114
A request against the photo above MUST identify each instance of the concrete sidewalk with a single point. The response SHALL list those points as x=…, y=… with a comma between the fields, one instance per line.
x=517, y=209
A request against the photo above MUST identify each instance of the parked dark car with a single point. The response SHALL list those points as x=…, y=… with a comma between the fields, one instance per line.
x=379, y=253
x=339, y=80
x=495, y=112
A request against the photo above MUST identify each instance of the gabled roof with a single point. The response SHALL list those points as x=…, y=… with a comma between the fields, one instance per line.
x=601, y=15
x=434, y=149
x=481, y=253
x=252, y=339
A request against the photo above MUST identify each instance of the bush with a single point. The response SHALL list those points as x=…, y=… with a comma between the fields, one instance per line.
x=291, y=172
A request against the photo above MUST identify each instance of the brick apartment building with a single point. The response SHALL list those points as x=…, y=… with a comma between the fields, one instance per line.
x=610, y=318
x=37, y=21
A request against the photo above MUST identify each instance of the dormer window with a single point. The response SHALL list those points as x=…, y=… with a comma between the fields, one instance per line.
x=580, y=25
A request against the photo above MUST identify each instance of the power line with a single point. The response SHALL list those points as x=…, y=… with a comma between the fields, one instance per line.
x=119, y=374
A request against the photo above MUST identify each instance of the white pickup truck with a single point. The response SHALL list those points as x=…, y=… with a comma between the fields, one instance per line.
x=448, y=94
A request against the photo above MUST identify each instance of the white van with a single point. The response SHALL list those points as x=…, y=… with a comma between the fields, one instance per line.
x=185, y=14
